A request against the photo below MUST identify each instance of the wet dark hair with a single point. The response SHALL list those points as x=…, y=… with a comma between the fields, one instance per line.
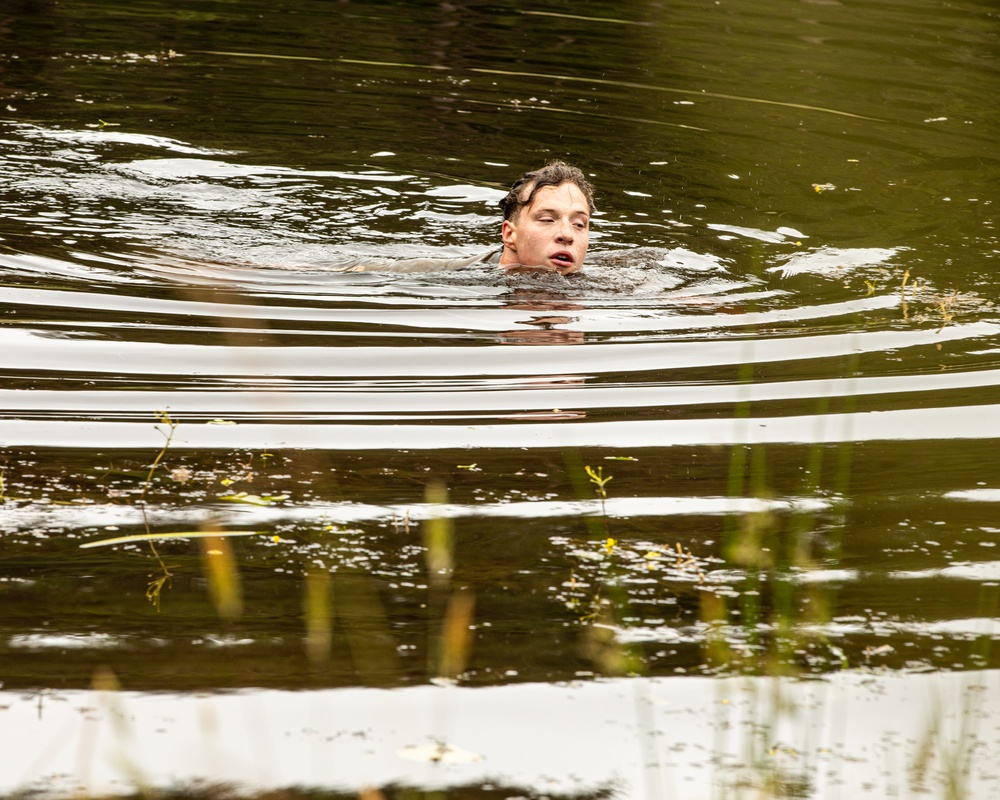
x=552, y=174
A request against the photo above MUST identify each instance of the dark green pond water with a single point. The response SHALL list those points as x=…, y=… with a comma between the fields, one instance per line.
x=715, y=518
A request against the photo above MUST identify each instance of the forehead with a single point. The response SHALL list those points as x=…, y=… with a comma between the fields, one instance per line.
x=566, y=196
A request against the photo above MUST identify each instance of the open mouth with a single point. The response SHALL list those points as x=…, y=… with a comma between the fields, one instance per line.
x=563, y=258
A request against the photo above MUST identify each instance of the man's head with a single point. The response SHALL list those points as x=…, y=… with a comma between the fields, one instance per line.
x=546, y=219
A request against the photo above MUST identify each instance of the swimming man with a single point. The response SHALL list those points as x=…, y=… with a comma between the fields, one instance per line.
x=546, y=220
x=546, y=227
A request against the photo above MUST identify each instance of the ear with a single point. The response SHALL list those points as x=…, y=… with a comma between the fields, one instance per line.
x=508, y=233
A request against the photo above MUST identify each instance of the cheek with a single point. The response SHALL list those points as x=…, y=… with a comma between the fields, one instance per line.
x=534, y=236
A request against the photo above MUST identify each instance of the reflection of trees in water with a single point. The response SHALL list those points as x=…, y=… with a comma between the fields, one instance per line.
x=477, y=791
x=26, y=26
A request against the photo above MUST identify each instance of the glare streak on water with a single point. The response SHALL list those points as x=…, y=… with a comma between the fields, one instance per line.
x=979, y=571
x=317, y=404
x=635, y=317
x=230, y=514
x=26, y=350
x=954, y=423
x=687, y=719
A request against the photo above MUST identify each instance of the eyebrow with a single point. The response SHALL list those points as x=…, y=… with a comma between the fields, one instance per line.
x=577, y=213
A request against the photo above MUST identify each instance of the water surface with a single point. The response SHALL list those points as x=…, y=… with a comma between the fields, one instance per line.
x=782, y=353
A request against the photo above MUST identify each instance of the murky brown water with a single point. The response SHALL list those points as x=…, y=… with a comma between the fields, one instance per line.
x=782, y=353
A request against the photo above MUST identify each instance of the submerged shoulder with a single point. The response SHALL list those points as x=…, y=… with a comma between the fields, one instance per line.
x=417, y=264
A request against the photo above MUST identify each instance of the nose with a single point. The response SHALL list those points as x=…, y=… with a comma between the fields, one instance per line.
x=565, y=233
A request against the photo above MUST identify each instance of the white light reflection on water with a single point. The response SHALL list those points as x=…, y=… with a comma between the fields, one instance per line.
x=83, y=516
x=27, y=350
x=917, y=424
x=318, y=405
x=853, y=734
x=104, y=136
x=634, y=317
x=969, y=571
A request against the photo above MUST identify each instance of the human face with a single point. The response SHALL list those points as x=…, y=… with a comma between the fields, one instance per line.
x=550, y=234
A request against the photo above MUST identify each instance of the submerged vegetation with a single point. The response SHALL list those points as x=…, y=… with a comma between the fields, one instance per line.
x=752, y=590
x=416, y=592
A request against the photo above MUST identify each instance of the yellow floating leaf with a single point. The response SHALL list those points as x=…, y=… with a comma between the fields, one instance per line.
x=438, y=754
x=254, y=499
